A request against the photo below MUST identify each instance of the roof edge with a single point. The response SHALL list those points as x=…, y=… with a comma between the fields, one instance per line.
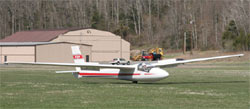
x=35, y=43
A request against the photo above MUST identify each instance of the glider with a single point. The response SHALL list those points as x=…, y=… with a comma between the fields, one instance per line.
x=143, y=72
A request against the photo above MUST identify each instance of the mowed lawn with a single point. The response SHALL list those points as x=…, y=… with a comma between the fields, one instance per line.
x=191, y=86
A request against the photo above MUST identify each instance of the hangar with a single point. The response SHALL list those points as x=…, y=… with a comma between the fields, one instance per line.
x=54, y=45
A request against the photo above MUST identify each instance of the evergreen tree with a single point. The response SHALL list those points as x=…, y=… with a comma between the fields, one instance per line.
x=235, y=39
x=229, y=36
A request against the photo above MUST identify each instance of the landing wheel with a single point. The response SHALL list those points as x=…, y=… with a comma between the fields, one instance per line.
x=135, y=82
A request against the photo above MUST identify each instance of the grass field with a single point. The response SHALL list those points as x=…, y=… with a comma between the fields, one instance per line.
x=191, y=86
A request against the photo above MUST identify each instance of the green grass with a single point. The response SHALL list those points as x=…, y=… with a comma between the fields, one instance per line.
x=171, y=55
x=193, y=86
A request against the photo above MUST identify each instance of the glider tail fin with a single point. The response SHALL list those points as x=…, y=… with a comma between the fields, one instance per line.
x=77, y=56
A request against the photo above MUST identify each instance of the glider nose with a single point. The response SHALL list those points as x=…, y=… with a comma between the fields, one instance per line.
x=165, y=74
x=160, y=73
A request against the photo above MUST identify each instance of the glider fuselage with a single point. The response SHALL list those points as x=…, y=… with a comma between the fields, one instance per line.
x=154, y=74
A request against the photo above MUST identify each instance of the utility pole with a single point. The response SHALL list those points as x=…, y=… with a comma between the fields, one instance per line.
x=191, y=44
x=184, y=42
x=121, y=47
x=191, y=39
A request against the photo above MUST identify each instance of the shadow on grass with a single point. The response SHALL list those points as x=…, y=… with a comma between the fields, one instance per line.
x=214, y=82
x=105, y=82
x=165, y=83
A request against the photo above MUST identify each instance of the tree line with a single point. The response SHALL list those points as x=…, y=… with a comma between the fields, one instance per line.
x=162, y=23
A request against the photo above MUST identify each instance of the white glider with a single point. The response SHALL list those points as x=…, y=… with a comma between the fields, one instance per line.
x=137, y=72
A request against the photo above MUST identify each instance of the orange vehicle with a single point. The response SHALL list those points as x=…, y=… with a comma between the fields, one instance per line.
x=152, y=55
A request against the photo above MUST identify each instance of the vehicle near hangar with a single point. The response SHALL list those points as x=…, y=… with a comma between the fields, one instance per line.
x=119, y=61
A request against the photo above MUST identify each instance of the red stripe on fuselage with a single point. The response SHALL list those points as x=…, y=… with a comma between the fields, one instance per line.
x=148, y=74
x=107, y=74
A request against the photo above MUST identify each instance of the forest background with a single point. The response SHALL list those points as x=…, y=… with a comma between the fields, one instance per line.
x=207, y=24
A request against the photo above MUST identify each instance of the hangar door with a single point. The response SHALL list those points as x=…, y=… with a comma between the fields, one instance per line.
x=17, y=53
x=60, y=52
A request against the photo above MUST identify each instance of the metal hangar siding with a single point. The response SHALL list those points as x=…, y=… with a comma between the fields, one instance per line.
x=105, y=45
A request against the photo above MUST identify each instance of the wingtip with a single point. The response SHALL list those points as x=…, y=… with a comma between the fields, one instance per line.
x=241, y=55
x=6, y=63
